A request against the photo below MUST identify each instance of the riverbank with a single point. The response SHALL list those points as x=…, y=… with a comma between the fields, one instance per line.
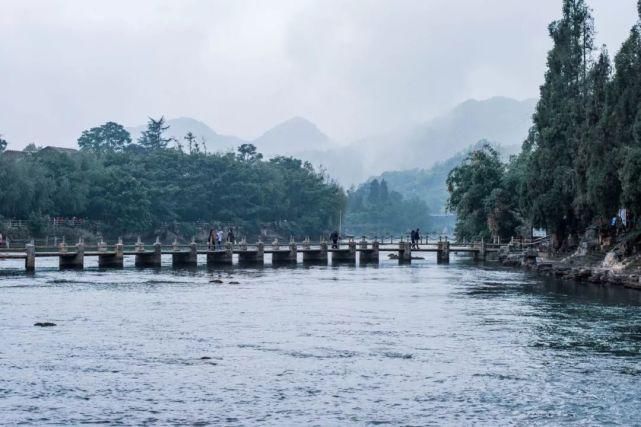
x=607, y=268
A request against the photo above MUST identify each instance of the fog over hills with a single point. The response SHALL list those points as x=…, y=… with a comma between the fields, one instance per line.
x=179, y=127
x=293, y=136
x=503, y=121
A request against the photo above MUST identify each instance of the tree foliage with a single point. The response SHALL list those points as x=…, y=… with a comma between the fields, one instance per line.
x=581, y=161
x=108, y=137
x=153, y=138
x=480, y=197
x=372, y=209
x=133, y=190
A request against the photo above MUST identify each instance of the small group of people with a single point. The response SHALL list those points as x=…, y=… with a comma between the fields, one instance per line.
x=216, y=238
x=415, y=238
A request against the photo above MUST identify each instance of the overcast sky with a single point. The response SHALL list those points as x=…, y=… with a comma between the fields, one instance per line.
x=354, y=67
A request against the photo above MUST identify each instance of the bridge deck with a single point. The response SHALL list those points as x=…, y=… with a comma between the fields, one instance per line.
x=20, y=254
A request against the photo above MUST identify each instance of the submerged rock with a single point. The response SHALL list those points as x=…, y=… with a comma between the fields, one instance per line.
x=234, y=283
x=44, y=324
x=216, y=281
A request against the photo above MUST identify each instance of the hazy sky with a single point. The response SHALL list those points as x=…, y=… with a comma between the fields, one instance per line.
x=354, y=67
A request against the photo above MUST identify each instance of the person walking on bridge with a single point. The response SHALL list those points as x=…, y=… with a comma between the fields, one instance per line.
x=230, y=236
x=417, y=238
x=219, y=239
x=334, y=238
x=211, y=241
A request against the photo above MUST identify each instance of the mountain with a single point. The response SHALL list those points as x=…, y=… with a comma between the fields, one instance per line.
x=429, y=184
x=293, y=136
x=179, y=127
x=504, y=121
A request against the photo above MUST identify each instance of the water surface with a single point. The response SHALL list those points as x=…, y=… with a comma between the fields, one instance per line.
x=413, y=345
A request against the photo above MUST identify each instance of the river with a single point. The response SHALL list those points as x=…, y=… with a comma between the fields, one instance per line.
x=414, y=345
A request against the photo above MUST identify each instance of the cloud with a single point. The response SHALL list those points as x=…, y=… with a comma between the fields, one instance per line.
x=354, y=67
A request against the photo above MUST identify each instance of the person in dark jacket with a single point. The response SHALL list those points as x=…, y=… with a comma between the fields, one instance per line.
x=334, y=238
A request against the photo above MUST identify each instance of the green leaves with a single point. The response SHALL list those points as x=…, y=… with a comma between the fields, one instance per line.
x=480, y=196
x=153, y=137
x=108, y=137
x=134, y=191
x=373, y=209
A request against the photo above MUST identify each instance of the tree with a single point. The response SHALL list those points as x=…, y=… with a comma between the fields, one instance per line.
x=374, y=196
x=190, y=138
x=559, y=122
x=248, y=153
x=624, y=122
x=153, y=137
x=630, y=178
x=599, y=187
x=475, y=195
x=109, y=137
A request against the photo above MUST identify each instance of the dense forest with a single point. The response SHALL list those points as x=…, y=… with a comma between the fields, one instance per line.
x=372, y=209
x=581, y=162
x=133, y=187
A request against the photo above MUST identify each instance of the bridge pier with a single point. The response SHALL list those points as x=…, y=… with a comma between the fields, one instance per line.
x=224, y=257
x=481, y=254
x=316, y=256
x=443, y=253
x=286, y=257
x=185, y=259
x=149, y=259
x=74, y=260
x=345, y=255
x=404, y=252
x=30, y=260
x=253, y=257
x=367, y=255
x=113, y=260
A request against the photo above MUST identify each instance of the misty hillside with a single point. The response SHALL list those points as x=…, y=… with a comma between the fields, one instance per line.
x=502, y=120
x=429, y=184
x=179, y=127
x=292, y=136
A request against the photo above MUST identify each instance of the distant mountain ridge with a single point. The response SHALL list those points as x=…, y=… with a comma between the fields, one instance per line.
x=295, y=135
x=504, y=121
x=429, y=184
x=292, y=136
x=179, y=127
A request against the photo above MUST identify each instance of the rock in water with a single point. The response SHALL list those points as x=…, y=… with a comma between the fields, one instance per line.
x=216, y=281
x=234, y=283
x=44, y=324
x=205, y=358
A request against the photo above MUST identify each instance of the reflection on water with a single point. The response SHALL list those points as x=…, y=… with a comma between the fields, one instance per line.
x=419, y=344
